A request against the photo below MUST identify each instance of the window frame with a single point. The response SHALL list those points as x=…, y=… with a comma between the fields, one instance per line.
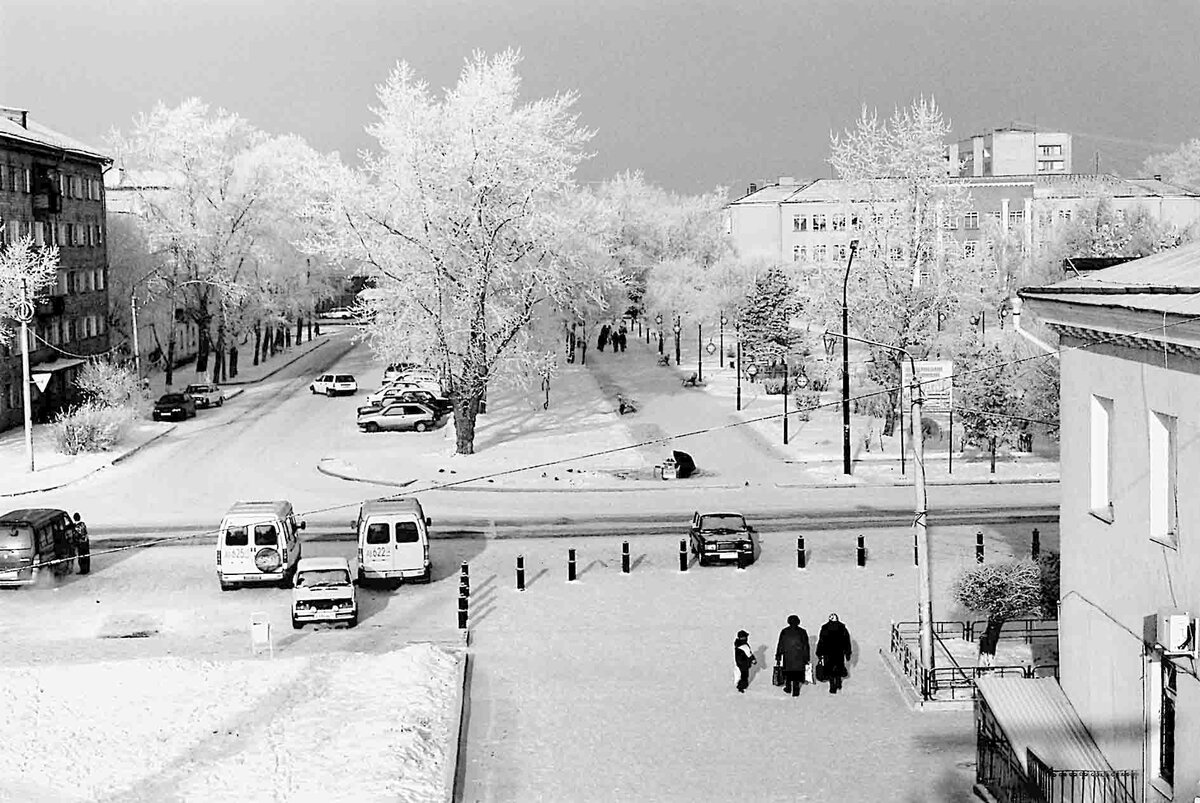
x=1163, y=479
x=1101, y=411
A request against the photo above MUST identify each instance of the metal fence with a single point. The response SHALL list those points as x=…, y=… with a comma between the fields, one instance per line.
x=1028, y=630
x=1082, y=786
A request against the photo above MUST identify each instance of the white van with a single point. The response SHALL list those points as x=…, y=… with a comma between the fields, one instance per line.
x=393, y=540
x=259, y=542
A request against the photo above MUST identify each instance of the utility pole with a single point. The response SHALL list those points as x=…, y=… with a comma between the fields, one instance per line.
x=25, y=315
x=846, y=469
x=137, y=354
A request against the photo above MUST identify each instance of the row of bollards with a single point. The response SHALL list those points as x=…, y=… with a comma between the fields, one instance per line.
x=464, y=593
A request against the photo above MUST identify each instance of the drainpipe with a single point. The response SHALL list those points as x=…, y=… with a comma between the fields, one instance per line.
x=1035, y=340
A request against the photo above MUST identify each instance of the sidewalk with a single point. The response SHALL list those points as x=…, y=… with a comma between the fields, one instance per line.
x=620, y=452
x=54, y=470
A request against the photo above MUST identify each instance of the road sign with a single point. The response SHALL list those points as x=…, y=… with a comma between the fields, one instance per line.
x=937, y=385
x=25, y=311
x=42, y=380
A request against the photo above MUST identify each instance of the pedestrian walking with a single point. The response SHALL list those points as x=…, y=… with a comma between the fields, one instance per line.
x=622, y=335
x=792, y=654
x=833, y=651
x=83, y=547
x=602, y=340
x=744, y=658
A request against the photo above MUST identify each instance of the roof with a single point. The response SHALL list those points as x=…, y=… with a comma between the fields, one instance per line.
x=264, y=509
x=774, y=194
x=316, y=564
x=38, y=134
x=31, y=515
x=407, y=504
x=1167, y=282
x=1034, y=713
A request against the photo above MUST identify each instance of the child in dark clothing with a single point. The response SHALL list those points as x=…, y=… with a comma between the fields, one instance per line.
x=744, y=658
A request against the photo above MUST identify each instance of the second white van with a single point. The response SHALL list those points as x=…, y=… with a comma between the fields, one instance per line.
x=259, y=542
x=393, y=541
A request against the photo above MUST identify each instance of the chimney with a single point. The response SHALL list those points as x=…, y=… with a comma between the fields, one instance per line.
x=753, y=189
x=18, y=116
x=787, y=181
x=1158, y=176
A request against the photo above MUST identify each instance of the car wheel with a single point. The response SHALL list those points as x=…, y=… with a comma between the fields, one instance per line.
x=220, y=402
x=328, y=393
x=352, y=621
x=226, y=586
x=421, y=426
x=371, y=426
x=312, y=389
x=296, y=623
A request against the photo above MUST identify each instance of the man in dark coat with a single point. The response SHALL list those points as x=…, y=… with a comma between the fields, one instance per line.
x=792, y=654
x=743, y=657
x=602, y=339
x=833, y=651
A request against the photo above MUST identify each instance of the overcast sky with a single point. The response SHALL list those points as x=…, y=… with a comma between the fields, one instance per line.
x=696, y=94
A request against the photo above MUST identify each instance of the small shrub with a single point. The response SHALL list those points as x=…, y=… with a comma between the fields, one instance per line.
x=89, y=428
x=806, y=401
x=108, y=384
x=819, y=375
x=871, y=400
x=773, y=386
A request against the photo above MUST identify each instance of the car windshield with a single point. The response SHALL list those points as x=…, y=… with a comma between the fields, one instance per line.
x=171, y=398
x=315, y=578
x=723, y=522
x=196, y=389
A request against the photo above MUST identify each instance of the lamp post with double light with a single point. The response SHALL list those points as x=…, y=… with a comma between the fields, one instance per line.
x=738, y=370
x=724, y=321
x=677, y=327
x=658, y=320
x=699, y=352
x=920, y=531
x=846, y=362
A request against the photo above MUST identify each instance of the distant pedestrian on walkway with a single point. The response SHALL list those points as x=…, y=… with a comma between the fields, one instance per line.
x=602, y=340
x=833, y=651
x=792, y=654
x=622, y=335
x=743, y=658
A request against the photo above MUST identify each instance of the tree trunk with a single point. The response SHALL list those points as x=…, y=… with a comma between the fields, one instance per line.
x=219, y=354
x=992, y=448
x=572, y=344
x=287, y=336
x=233, y=358
x=310, y=325
x=279, y=329
x=300, y=331
x=203, y=321
x=170, y=368
x=257, y=340
x=466, y=410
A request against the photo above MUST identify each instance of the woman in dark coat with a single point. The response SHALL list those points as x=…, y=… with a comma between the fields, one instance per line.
x=792, y=654
x=833, y=651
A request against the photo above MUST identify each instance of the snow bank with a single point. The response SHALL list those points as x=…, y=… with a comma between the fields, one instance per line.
x=342, y=726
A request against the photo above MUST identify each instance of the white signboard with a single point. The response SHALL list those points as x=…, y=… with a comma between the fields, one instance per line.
x=42, y=380
x=937, y=385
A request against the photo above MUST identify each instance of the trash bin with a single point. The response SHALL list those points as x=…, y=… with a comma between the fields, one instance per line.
x=669, y=468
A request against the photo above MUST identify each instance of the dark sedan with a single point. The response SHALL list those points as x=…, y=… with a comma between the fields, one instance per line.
x=174, y=406
x=721, y=537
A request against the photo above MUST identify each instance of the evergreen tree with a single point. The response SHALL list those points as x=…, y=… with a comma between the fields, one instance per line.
x=988, y=399
x=766, y=320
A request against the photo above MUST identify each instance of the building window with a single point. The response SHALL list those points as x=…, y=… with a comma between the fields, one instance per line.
x=997, y=216
x=39, y=233
x=1064, y=214
x=99, y=278
x=1016, y=218
x=818, y=223
x=820, y=253
x=840, y=252
x=64, y=278
x=895, y=253
x=799, y=223
x=5, y=182
x=877, y=219
x=969, y=248
x=838, y=222
x=856, y=222
x=28, y=183
x=1163, y=689
x=1050, y=150
x=1101, y=458
x=1164, y=521
x=951, y=222
x=795, y=253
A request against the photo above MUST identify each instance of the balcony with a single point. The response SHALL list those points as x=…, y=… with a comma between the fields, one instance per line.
x=46, y=202
x=49, y=305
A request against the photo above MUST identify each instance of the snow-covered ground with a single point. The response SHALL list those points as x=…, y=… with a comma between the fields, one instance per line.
x=335, y=727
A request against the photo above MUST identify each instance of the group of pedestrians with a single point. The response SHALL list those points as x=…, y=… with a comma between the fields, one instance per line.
x=793, y=667
x=616, y=338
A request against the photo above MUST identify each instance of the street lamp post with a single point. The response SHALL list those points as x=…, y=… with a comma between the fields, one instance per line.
x=724, y=321
x=738, y=370
x=677, y=327
x=921, y=507
x=25, y=314
x=699, y=352
x=846, y=362
x=658, y=320
x=785, y=400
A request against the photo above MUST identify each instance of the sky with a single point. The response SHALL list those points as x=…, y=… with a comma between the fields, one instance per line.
x=695, y=94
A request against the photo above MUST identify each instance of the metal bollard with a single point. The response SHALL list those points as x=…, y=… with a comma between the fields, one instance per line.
x=1035, y=549
x=801, y=558
x=462, y=613
x=979, y=547
x=625, y=557
x=683, y=555
x=464, y=578
x=862, y=550
x=465, y=570
x=464, y=588
x=520, y=572
x=916, y=552
x=570, y=565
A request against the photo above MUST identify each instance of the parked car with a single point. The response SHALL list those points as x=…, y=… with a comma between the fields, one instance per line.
x=401, y=392
x=415, y=382
x=174, y=405
x=258, y=542
x=721, y=537
x=393, y=541
x=30, y=537
x=405, y=415
x=337, y=314
x=393, y=371
x=334, y=384
x=324, y=591
x=206, y=395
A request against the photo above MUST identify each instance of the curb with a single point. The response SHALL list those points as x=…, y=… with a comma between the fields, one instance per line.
x=452, y=780
x=123, y=456
x=390, y=483
x=909, y=695
x=279, y=367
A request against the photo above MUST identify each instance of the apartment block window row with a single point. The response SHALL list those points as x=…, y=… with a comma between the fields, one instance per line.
x=78, y=235
x=1051, y=166
x=1050, y=150
x=79, y=187
x=15, y=179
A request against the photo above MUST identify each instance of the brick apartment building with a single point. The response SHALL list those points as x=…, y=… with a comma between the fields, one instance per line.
x=52, y=189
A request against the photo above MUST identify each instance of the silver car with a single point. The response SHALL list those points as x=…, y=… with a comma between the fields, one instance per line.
x=401, y=416
x=206, y=395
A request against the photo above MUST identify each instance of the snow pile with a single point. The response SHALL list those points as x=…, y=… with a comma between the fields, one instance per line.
x=342, y=726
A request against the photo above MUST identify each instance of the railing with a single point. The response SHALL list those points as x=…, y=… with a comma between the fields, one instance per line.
x=1026, y=629
x=953, y=682
x=997, y=767
x=1082, y=786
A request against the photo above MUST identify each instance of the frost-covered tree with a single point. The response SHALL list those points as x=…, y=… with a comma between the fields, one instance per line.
x=464, y=217
x=1000, y=592
x=766, y=319
x=1180, y=166
x=26, y=270
x=988, y=398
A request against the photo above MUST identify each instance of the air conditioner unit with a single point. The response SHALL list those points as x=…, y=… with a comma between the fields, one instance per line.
x=1176, y=633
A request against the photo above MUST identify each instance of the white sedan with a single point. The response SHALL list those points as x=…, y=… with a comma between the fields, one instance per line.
x=334, y=384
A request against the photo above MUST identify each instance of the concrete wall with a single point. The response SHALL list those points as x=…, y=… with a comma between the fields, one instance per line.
x=1113, y=574
x=755, y=229
x=1013, y=153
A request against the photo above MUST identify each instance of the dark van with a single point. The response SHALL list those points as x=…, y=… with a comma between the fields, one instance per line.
x=32, y=536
